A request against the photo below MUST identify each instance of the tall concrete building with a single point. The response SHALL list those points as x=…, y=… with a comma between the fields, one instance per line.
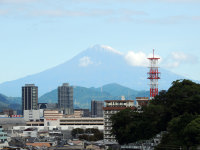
x=29, y=97
x=65, y=98
x=97, y=108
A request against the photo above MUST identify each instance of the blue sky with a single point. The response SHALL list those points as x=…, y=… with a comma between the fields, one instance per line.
x=38, y=34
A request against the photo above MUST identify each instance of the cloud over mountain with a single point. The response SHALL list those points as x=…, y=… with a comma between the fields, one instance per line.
x=136, y=59
x=180, y=58
x=85, y=61
x=94, y=67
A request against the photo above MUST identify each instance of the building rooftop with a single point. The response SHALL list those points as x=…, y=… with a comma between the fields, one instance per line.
x=30, y=129
x=119, y=101
x=43, y=144
x=142, y=98
x=118, y=108
x=5, y=121
x=29, y=84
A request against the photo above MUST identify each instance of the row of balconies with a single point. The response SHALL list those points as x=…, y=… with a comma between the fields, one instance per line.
x=108, y=124
x=110, y=111
x=107, y=120
x=82, y=121
x=108, y=136
x=107, y=128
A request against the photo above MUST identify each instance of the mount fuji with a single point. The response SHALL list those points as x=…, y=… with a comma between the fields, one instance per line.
x=94, y=67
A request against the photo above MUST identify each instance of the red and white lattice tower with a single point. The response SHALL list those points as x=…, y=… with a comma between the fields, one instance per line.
x=153, y=76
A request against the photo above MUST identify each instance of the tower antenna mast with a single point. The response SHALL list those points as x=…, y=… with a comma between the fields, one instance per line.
x=153, y=76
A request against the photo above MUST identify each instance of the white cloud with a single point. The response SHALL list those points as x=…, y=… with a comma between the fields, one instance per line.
x=156, y=20
x=174, y=64
x=127, y=12
x=139, y=58
x=178, y=58
x=184, y=58
x=136, y=59
x=74, y=13
x=85, y=61
x=58, y=13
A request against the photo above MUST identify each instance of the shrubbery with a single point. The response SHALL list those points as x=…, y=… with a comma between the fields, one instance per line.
x=87, y=134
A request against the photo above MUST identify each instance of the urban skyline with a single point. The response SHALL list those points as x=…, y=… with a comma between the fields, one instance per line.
x=80, y=74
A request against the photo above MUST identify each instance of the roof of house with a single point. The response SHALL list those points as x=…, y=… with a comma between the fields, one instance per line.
x=30, y=129
x=76, y=142
x=39, y=144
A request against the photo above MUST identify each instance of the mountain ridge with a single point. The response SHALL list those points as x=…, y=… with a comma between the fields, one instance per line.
x=93, y=67
x=10, y=103
x=83, y=95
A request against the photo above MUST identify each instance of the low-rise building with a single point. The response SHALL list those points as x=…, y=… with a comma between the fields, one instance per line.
x=30, y=132
x=72, y=123
x=77, y=114
x=40, y=145
x=9, y=112
x=64, y=123
x=53, y=114
x=84, y=112
x=33, y=115
x=94, y=147
x=141, y=101
x=8, y=123
x=3, y=138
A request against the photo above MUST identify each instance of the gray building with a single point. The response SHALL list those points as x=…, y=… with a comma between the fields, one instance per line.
x=8, y=123
x=29, y=97
x=65, y=98
x=97, y=108
x=48, y=106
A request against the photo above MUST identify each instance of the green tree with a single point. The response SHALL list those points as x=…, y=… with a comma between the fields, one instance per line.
x=191, y=133
x=76, y=131
x=121, y=124
x=84, y=134
x=174, y=111
x=176, y=127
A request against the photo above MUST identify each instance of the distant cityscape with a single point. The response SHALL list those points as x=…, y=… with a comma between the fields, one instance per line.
x=58, y=120
x=45, y=125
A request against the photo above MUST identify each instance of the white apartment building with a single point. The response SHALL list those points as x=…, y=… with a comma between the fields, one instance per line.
x=68, y=123
x=112, y=107
x=141, y=101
